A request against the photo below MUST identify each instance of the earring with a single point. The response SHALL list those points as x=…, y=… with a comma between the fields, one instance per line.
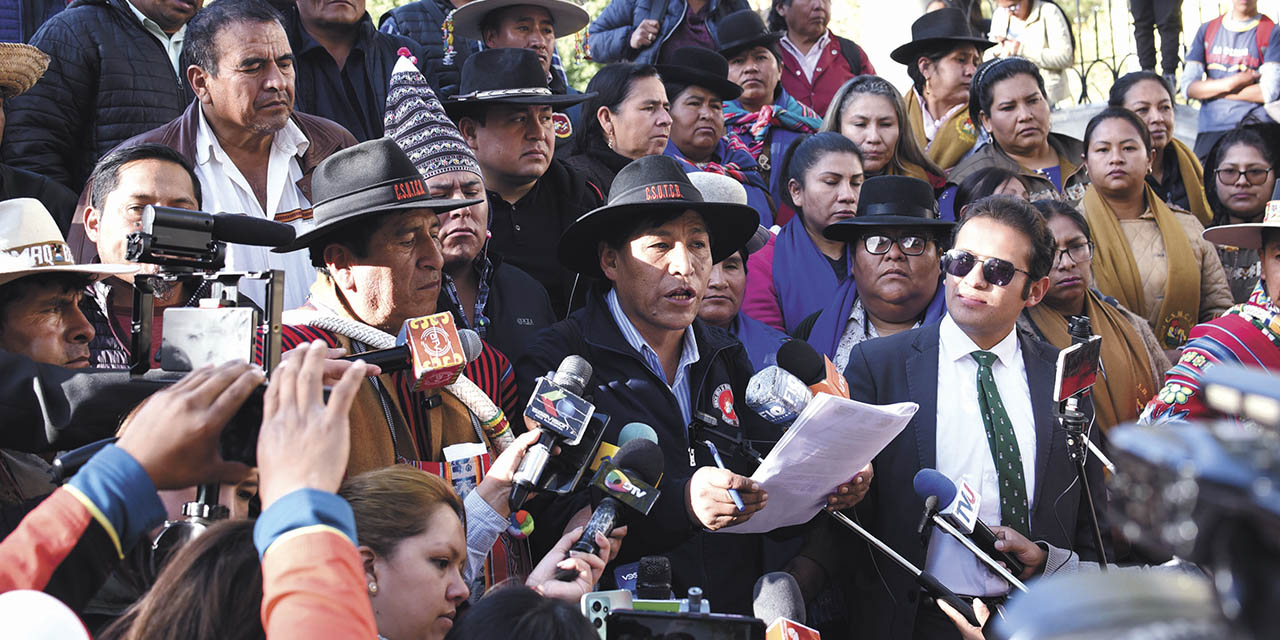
x=609, y=141
x=373, y=588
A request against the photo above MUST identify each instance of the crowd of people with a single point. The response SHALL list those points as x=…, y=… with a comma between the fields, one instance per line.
x=725, y=183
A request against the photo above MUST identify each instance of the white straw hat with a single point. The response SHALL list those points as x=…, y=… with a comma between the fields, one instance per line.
x=30, y=243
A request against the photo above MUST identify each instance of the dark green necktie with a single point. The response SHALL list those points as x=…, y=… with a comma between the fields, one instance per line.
x=1004, y=448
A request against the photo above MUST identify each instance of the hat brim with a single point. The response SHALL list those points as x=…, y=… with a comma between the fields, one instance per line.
x=730, y=49
x=98, y=271
x=1241, y=236
x=567, y=17
x=851, y=229
x=21, y=66
x=906, y=54
x=722, y=87
x=460, y=104
x=730, y=225
x=304, y=240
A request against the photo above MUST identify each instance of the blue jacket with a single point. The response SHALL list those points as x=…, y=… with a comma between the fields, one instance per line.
x=761, y=340
x=609, y=37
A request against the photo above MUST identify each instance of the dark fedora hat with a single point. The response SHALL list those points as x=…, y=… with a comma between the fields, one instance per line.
x=507, y=76
x=701, y=68
x=742, y=30
x=649, y=185
x=890, y=201
x=371, y=177
x=944, y=26
x=567, y=17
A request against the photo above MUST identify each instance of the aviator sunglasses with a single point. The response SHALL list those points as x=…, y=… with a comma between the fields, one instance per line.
x=959, y=263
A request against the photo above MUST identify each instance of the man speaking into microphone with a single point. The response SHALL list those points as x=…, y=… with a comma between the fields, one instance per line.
x=986, y=415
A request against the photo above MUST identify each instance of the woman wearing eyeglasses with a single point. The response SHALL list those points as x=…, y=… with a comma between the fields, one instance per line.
x=1133, y=362
x=1241, y=180
x=1149, y=257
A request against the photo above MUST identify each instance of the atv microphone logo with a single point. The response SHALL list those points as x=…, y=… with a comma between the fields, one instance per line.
x=617, y=481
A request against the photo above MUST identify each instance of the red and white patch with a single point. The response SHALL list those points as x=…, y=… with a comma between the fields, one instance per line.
x=562, y=125
x=724, y=401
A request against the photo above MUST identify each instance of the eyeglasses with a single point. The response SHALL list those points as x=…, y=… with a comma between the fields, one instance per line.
x=1079, y=253
x=878, y=245
x=1255, y=176
x=959, y=263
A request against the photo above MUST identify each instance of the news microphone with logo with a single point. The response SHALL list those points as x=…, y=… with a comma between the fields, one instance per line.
x=815, y=370
x=626, y=483
x=777, y=395
x=557, y=406
x=776, y=600
x=432, y=347
x=959, y=517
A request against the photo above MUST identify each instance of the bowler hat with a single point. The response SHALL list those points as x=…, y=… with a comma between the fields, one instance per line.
x=372, y=177
x=742, y=30
x=939, y=27
x=1248, y=235
x=507, y=76
x=654, y=184
x=701, y=68
x=31, y=243
x=890, y=201
x=567, y=17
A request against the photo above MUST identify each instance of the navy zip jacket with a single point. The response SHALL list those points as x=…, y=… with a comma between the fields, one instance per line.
x=725, y=565
x=609, y=36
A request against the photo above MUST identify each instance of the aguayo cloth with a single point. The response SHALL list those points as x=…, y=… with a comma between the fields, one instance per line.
x=731, y=158
x=1247, y=334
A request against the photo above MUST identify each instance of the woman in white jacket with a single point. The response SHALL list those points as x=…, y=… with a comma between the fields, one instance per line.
x=1039, y=31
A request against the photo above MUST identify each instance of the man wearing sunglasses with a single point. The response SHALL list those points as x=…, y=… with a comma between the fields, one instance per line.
x=986, y=416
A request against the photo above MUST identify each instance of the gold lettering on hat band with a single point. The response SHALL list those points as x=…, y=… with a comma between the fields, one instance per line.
x=410, y=189
x=667, y=191
x=40, y=254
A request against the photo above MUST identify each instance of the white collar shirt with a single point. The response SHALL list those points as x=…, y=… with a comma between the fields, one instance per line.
x=931, y=126
x=808, y=60
x=172, y=43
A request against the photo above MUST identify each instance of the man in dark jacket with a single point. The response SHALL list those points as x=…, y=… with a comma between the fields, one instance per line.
x=655, y=363
x=112, y=75
x=504, y=111
x=22, y=67
x=650, y=31
x=19, y=19
x=343, y=64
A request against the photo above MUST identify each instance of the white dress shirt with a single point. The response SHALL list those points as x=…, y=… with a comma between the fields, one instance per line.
x=808, y=60
x=172, y=43
x=226, y=190
x=963, y=452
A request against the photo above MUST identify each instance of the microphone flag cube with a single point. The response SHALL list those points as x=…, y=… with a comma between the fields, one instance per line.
x=436, y=349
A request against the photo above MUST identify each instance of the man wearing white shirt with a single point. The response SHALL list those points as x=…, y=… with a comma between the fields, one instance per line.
x=986, y=416
x=251, y=151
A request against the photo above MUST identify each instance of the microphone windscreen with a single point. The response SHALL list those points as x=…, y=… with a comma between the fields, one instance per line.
x=636, y=430
x=777, y=595
x=653, y=578
x=931, y=482
x=642, y=459
x=573, y=374
x=471, y=345
x=238, y=228
x=797, y=357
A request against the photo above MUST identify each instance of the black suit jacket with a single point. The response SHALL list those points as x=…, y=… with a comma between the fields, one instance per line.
x=904, y=368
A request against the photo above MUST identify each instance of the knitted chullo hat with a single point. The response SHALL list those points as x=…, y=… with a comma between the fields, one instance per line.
x=417, y=122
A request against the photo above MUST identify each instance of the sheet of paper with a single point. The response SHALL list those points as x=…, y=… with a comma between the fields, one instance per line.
x=831, y=440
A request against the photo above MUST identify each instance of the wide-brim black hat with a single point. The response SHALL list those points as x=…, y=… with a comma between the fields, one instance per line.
x=507, y=76
x=939, y=27
x=890, y=201
x=701, y=68
x=567, y=17
x=372, y=177
x=742, y=30
x=654, y=184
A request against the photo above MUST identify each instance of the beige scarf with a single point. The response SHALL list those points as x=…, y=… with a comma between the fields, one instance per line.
x=1193, y=179
x=954, y=138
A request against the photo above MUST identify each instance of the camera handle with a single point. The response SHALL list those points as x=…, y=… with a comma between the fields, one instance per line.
x=1073, y=423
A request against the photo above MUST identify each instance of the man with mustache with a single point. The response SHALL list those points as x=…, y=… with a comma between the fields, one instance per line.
x=504, y=110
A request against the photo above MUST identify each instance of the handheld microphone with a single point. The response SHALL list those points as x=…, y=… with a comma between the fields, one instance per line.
x=432, y=347
x=653, y=578
x=559, y=409
x=960, y=519
x=776, y=599
x=815, y=370
x=626, y=481
x=777, y=395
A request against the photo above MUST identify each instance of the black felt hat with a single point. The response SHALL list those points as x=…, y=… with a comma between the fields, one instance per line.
x=742, y=30
x=371, y=177
x=701, y=68
x=507, y=76
x=939, y=27
x=654, y=184
x=890, y=201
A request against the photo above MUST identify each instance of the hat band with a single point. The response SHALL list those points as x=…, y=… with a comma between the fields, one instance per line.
x=34, y=256
x=896, y=209
x=505, y=93
x=368, y=200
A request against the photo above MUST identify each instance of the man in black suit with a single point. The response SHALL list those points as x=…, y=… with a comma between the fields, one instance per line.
x=1003, y=440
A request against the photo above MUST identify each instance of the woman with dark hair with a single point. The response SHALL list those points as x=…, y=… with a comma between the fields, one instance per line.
x=1040, y=31
x=1241, y=179
x=798, y=271
x=816, y=60
x=212, y=588
x=628, y=118
x=1176, y=174
x=869, y=111
x=941, y=59
x=1007, y=98
x=1148, y=256
x=698, y=86
x=1133, y=363
x=519, y=613
x=765, y=117
x=987, y=182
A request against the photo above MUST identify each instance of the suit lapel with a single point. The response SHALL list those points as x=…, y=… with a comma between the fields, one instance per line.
x=1040, y=374
x=922, y=388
